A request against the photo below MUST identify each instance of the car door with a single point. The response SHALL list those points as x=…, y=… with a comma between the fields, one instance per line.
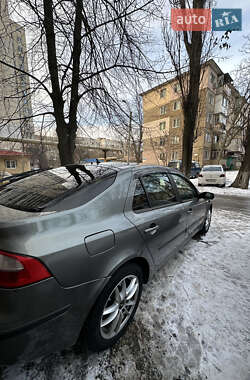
x=154, y=208
x=194, y=207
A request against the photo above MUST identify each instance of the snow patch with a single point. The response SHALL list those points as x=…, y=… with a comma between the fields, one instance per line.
x=192, y=323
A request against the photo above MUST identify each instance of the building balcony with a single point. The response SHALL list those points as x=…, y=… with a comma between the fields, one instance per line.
x=219, y=128
x=224, y=89
x=235, y=147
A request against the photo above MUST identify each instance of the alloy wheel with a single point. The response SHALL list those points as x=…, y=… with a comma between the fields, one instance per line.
x=119, y=306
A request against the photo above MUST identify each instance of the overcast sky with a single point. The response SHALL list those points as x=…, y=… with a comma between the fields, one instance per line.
x=227, y=60
x=233, y=56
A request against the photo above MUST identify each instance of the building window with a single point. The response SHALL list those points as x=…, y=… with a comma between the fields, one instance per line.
x=163, y=110
x=10, y=164
x=162, y=126
x=176, y=123
x=162, y=141
x=206, y=155
x=176, y=105
x=224, y=102
x=162, y=93
x=207, y=138
x=212, y=78
x=210, y=99
x=162, y=156
x=216, y=139
x=177, y=88
x=174, y=155
x=210, y=118
x=175, y=140
x=214, y=154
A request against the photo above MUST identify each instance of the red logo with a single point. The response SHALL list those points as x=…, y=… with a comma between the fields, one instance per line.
x=191, y=19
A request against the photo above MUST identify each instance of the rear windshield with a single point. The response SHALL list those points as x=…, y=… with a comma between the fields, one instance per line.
x=174, y=164
x=212, y=169
x=61, y=188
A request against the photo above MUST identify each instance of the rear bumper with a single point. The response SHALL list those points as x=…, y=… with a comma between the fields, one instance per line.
x=43, y=318
x=38, y=338
x=217, y=181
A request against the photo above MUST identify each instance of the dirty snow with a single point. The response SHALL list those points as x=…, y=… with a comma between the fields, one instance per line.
x=193, y=322
x=230, y=177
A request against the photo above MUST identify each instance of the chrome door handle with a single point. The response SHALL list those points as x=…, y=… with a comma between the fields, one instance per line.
x=190, y=211
x=152, y=230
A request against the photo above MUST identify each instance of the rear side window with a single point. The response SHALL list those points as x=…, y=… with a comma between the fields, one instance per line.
x=212, y=169
x=140, y=200
x=159, y=189
x=61, y=188
x=185, y=189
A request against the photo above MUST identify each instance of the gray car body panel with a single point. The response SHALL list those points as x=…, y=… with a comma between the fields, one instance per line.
x=82, y=248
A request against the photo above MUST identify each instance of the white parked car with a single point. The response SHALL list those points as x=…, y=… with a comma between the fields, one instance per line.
x=212, y=175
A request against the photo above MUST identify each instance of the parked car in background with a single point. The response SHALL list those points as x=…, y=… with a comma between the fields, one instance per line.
x=195, y=167
x=212, y=175
x=76, y=245
x=3, y=177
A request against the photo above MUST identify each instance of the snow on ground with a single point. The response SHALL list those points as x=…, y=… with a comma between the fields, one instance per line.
x=193, y=322
x=230, y=177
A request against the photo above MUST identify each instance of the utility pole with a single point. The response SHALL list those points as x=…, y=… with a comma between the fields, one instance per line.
x=129, y=134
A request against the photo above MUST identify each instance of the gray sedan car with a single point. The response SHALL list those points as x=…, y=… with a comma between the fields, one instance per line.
x=76, y=245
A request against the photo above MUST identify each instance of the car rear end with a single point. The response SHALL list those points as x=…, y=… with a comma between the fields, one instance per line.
x=212, y=175
x=43, y=302
x=39, y=312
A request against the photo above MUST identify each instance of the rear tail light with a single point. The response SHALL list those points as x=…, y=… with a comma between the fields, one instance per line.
x=200, y=175
x=222, y=175
x=17, y=270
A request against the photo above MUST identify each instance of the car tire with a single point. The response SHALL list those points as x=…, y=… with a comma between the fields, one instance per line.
x=115, y=308
x=207, y=222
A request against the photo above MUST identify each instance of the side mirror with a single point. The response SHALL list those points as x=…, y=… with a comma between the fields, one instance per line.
x=206, y=195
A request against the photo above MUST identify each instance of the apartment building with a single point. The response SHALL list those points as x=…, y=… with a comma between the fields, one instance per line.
x=15, y=99
x=163, y=121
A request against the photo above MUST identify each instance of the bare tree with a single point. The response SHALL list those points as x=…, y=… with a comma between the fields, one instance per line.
x=243, y=176
x=127, y=123
x=188, y=51
x=79, y=51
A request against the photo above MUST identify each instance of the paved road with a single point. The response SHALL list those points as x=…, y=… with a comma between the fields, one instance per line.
x=232, y=203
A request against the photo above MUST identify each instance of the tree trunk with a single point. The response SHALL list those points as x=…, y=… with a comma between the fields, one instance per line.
x=187, y=141
x=243, y=176
x=66, y=144
x=191, y=101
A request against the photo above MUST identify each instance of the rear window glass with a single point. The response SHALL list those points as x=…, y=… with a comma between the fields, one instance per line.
x=212, y=169
x=174, y=164
x=140, y=201
x=45, y=189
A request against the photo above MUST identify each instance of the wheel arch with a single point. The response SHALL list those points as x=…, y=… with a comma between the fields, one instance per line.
x=141, y=262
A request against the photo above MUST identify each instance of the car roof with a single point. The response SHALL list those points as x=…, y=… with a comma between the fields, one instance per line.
x=209, y=166
x=137, y=167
